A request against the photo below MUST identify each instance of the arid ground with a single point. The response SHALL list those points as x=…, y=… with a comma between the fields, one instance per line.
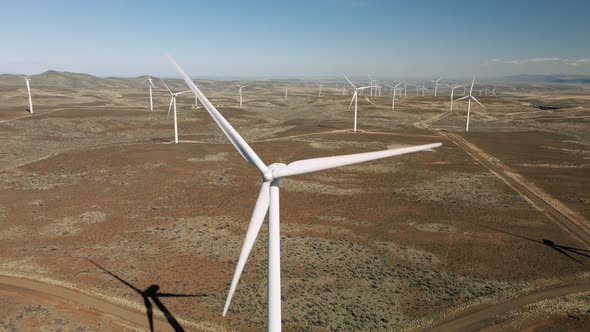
x=97, y=207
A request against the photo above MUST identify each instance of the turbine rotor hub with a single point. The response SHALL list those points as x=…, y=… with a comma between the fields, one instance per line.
x=269, y=175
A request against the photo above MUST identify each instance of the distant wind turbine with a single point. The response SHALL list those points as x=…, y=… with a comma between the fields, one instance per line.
x=173, y=104
x=453, y=87
x=424, y=88
x=355, y=98
x=27, y=80
x=240, y=92
x=435, y=85
x=151, y=85
x=469, y=98
x=320, y=91
x=394, y=90
x=268, y=200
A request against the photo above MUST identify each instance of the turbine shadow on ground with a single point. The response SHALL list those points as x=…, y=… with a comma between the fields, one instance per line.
x=152, y=293
x=559, y=248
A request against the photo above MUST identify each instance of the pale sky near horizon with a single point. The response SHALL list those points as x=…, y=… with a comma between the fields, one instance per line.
x=297, y=38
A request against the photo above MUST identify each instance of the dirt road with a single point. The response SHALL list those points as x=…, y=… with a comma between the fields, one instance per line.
x=570, y=220
x=481, y=317
x=72, y=297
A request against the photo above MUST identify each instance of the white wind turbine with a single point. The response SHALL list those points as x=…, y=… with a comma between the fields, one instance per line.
x=424, y=88
x=435, y=85
x=173, y=104
x=320, y=91
x=355, y=98
x=371, y=84
x=469, y=98
x=453, y=87
x=268, y=200
x=240, y=92
x=394, y=90
x=410, y=84
x=27, y=80
x=151, y=85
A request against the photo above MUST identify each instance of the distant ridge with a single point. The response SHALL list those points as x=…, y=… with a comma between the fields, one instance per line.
x=71, y=80
x=550, y=78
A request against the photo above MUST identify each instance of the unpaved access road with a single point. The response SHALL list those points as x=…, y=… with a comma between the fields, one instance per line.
x=68, y=296
x=570, y=220
x=481, y=316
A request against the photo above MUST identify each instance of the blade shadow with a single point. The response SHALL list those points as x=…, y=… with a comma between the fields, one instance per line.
x=152, y=293
x=559, y=248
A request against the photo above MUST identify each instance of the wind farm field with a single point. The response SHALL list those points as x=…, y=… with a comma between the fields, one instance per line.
x=97, y=206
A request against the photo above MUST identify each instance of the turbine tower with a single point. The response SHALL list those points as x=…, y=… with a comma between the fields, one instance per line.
x=469, y=98
x=173, y=103
x=151, y=85
x=240, y=92
x=27, y=81
x=355, y=98
x=268, y=200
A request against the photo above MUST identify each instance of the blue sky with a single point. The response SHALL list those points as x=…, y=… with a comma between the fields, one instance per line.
x=409, y=38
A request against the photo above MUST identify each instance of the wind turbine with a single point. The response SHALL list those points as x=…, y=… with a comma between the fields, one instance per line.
x=173, y=103
x=394, y=90
x=151, y=85
x=453, y=87
x=355, y=98
x=469, y=98
x=435, y=85
x=494, y=92
x=424, y=88
x=240, y=92
x=27, y=80
x=268, y=200
x=371, y=84
x=320, y=91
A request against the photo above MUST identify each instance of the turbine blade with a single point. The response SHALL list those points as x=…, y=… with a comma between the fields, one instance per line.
x=240, y=144
x=353, y=96
x=318, y=164
x=477, y=101
x=472, y=82
x=179, y=93
x=256, y=221
x=462, y=98
x=166, y=86
x=170, y=107
x=349, y=82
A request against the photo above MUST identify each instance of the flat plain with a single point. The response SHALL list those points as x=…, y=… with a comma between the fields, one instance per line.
x=94, y=193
